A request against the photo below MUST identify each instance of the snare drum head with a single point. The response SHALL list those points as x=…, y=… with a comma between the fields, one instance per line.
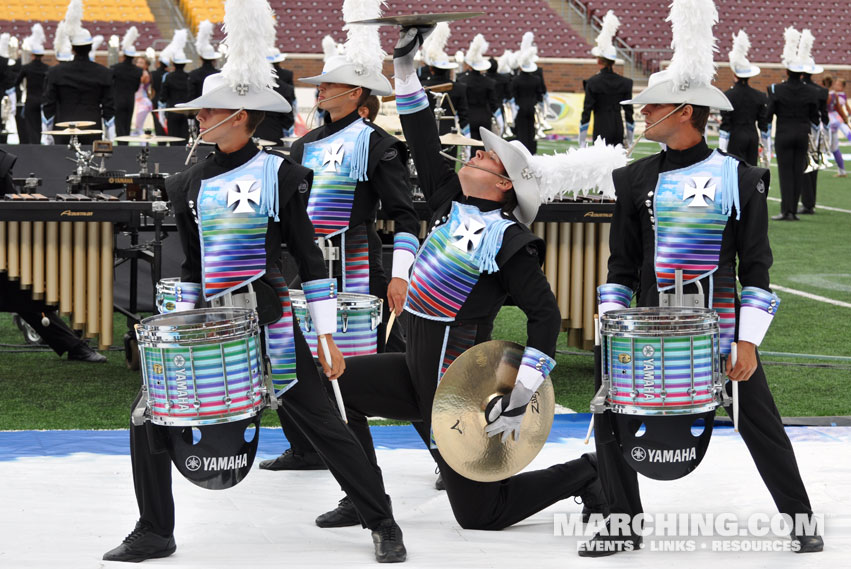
x=221, y=458
x=663, y=447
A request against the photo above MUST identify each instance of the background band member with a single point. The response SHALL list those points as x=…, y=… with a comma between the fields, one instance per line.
x=126, y=79
x=604, y=92
x=479, y=87
x=33, y=73
x=175, y=88
x=819, y=95
x=208, y=56
x=528, y=90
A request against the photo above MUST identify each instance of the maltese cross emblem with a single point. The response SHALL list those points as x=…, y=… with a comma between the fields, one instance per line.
x=469, y=235
x=702, y=189
x=333, y=155
x=242, y=194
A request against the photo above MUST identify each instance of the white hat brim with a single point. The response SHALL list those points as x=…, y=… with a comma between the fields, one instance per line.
x=347, y=74
x=209, y=57
x=515, y=157
x=530, y=68
x=181, y=61
x=278, y=58
x=610, y=55
x=753, y=71
x=665, y=93
x=218, y=94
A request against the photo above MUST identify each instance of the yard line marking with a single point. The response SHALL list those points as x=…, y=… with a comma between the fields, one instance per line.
x=811, y=296
x=820, y=206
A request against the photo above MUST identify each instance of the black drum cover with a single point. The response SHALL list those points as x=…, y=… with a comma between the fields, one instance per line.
x=221, y=458
x=666, y=448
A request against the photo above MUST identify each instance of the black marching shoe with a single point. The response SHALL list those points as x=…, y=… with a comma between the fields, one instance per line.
x=604, y=545
x=592, y=496
x=806, y=211
x=807, y=543
x=785, y=217
x=389, y=547
x=438, y=483
x=344, y=515
x=292, y=461
x=141, y=544
x=82, y=352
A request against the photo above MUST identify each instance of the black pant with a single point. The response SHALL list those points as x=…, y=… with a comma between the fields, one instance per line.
x=524, y=129
x=761, y=429
x=178, y=125
x=123, y=120
x=56, y=334
x=808, y=192
x=401, y=386
x=791, y=149
x=744, y=143
x=32, y=117
x=308, y=405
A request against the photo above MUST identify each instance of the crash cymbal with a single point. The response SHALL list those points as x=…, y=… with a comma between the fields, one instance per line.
x=75, y=124
x=187, y=110
x=454, y=139
x=72, y=131
x=409, y=20
x=458, y=414
x=439, y=88
x=390, y=123
x=148, y=138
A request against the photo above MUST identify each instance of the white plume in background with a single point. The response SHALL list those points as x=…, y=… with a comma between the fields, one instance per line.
x=477, y=49
x=61, y=41
x=178, y=44
x=504, y=61
x=4, y=44
x=459, y=57
x=791, y=38
x=578, y=171
x=526, y=42
x=363, y=44
x=249, y=27
x=739, y=54
x=26, y=45
x=37, y=37
x=329, y=47
x=74, y=18
x=96, y=41
x=130, y=37
x=435, y=44
x=114, y=41
x=151, y=54
x=204, y=36
x=607, y=33
x=527, y=56
x=805, y=47
x=693, y=62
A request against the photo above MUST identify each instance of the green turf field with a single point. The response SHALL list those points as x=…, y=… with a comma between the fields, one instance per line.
x=40, y=391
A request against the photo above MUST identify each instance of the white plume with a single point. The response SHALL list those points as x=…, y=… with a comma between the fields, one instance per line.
x=527, y=40
x=435, y=44
x=692, y=64
x=504, y=61
x=37, y=37
x=249, y=31
x=96, y=41
x=13, y=44
x=739, y=54
x=527, y=56
x=459, y=57
x=74, y=17
x=114, y=41
x=4, y=44
x=61, y=42
x=578, y=171
x=791, y=38
x=130, y=37
x=151, y=54
x=363, y=44
x=477, y=49
x=205, y=36
x=26, y=45
x=178, y=44
x=607, y=32
x=805, y=47
x=329, y=47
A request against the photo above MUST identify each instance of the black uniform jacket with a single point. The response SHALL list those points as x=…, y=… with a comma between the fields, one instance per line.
x=126, y=77
x=603, y=95
x=34, y=73
x=795, y=109
x=197, y=76
x=79, y=90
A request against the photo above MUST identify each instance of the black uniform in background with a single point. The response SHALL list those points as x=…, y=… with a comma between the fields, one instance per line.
x=157, y=76
x=79, y=90
x=175, y=89
x=745, y=247
x=603, y=94
x=746, y=121
x=819, y=95
x=197, y=76
x=275, y=124
x=458, y=94
x=481, y=100
x=34, y=74
x=527, y=90
x=126, y=77
x=284, y=75
x=796, y=113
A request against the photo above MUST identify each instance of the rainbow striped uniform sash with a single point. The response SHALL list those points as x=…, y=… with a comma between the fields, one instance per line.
x=232, y=223
x=450, y=261
x=338, y=162
x=692, y=207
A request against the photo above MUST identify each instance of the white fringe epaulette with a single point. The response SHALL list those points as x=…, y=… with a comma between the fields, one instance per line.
x=578, y=171
x=363, y=43
x=693, y=62
x=249, y=27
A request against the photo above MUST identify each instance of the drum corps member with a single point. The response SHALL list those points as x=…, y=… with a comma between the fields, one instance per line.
x=237, y=195
x=658, y=199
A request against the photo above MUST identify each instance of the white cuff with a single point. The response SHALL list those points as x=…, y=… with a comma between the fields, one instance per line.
x=529, y=377
x=181, y=306
x=604, y=307
x=407, y=85
x=753, y=324
x=402, y=261
x=323, y=313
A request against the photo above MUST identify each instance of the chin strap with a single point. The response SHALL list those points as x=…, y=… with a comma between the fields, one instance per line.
x=198, y=138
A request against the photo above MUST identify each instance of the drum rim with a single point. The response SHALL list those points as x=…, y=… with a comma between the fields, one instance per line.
x=149, y=322
x=189, y=422
x=359, y=300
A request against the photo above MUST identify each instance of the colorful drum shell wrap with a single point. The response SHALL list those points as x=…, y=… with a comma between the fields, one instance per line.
x=202, y=367
x=661, y=361
x=358, y=318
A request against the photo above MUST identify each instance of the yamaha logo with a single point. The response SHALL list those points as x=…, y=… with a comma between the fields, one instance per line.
x=648, y=351
x=193, y=463
x=179, y=360
x=638, y=454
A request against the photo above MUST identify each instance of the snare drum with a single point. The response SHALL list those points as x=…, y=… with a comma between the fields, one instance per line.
x=358, y=317
x=661, y=361
x=172, y=294
x=202, y=367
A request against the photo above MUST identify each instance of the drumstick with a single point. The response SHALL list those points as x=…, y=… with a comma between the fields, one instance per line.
x=734, y=354
x=390, y=322
x=590, y=429
x=337, y=393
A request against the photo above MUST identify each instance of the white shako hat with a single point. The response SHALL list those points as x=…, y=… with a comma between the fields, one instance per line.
x=475, y=56
x=739, y=63
x=434, y=48
x=36, y=39
x=203, y=43
x=78, y=35
x=688, y=80
x=61, y=43
x=541, y=179
x=361, y=64
x=128, y=42
x=605, y=48
x=247, y=78
x=178, y=45
x=274, y=55
x=805, y=57
x=528, y=53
